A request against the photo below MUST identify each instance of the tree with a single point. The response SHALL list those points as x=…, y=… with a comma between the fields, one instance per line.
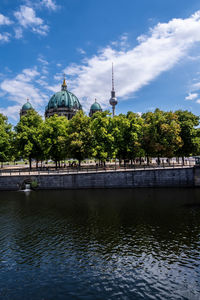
x=136, y=136
x=54, y=138
x=103, y=147
x=6, y=138
x=190, y=135
x=27, y=139
x=80, y=138
x=121, y=134
x=161, y=134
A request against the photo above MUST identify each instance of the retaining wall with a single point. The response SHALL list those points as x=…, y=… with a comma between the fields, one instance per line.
x=177, y=177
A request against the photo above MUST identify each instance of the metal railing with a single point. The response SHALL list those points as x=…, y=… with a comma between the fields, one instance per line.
x=88, y=169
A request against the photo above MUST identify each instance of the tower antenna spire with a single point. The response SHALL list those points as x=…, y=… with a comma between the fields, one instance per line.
x=113, y=87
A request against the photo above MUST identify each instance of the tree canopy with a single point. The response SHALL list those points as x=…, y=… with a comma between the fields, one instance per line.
x=101, y=137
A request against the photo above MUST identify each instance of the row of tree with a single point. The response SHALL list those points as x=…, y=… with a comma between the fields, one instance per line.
x=125, y=137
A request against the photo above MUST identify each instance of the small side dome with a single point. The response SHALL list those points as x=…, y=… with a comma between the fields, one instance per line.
x=94, y=108
x=26, y=107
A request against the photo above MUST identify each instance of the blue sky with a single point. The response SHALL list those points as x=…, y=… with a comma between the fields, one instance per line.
x=154, y=45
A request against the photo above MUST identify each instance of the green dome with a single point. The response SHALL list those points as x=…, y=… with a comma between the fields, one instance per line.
x=64, y=99
x=96, y=106
x=27, y=106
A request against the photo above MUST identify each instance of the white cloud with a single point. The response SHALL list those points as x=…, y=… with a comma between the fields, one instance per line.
x=196, y=86
x=27, y=19
x=191, y=96
x=5, y=37
x=21, y=87
x=18, y=33
x=54, y=88
x=49, y=4
x=198, y=101
x=40, y=4
x=81, y=51
x=122, y=42
x=164, y=46
x=4, y=20
x=42, y=60
x=11, y=111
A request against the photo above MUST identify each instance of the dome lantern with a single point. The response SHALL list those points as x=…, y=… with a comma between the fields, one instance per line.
x=64, y=85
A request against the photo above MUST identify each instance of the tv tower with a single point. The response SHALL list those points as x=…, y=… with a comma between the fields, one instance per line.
x=113, y=99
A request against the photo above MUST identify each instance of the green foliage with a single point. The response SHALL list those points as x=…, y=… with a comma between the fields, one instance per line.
x=54, y=133
x=189, y=134
x=6, y=140
x=101, y=137
x=103, y=146
x=161, y=133
x=34, y=184
x=80, y=139
x=28, y=136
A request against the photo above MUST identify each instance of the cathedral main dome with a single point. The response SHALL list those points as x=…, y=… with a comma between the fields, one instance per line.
x=63, y=103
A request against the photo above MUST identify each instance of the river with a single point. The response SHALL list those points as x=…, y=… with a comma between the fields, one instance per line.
x=100, y=244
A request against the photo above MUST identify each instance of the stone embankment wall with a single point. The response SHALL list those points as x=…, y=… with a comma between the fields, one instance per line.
x=177, y=177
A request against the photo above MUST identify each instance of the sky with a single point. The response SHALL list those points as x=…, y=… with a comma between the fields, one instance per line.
x=153, y=44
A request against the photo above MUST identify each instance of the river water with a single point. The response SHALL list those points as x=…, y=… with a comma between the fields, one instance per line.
x=100, y=244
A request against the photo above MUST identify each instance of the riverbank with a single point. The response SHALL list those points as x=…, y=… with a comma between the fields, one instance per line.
x=161, y=177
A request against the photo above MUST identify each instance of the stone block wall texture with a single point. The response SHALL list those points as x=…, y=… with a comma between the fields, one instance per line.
x=180, y=177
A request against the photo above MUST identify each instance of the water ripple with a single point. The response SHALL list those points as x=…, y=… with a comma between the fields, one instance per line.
x=100, y=244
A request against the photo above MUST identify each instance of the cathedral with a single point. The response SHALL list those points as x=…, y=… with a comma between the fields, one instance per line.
x=65, y=103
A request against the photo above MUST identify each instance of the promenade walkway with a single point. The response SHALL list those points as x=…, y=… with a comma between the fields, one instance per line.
x=86, y=169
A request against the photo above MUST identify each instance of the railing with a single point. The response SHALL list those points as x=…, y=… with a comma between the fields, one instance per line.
x=87, y=169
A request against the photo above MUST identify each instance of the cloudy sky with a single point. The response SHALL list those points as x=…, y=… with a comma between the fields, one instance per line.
x=154, y=45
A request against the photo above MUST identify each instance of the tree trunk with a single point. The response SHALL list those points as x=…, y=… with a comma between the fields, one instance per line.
x=36, y=164
x=158, y=161
x=183, y=160
x=56, y=164
x=141, y=160
x=147, y=160
x=2, y=165
x=30, y=163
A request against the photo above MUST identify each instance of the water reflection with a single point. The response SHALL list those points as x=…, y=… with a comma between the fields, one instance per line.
x=100, y=244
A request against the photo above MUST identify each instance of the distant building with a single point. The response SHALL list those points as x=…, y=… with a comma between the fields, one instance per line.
x=94, y=108
x=65, y=103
